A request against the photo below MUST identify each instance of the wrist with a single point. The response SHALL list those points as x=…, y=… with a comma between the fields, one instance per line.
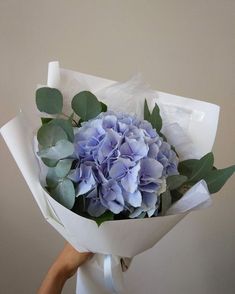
x=59, y=272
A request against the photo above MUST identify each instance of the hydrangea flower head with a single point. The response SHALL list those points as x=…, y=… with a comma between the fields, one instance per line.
x=122, y=164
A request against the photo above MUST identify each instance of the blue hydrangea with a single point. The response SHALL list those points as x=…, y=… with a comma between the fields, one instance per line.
x=121, y=165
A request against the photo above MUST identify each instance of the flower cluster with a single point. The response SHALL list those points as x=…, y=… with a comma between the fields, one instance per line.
x=121, y=165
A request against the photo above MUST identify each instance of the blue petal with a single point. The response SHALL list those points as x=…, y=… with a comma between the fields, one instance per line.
x=87, y=180
x=130, y=180
x=151, y=168
x=149, y=199
x=150, y=187
x=108, y=146
x=136, y=212
x=110, y=122
x=153, y=150
x=134, y=149
x=119, y=168
x=134, y=199
x=116, y=206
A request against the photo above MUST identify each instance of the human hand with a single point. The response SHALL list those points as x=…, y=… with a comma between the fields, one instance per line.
x=64, y=267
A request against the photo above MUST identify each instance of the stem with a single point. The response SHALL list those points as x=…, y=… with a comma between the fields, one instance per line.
x=69, y=117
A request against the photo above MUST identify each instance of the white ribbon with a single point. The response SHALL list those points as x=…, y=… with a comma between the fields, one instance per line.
x=108, y=275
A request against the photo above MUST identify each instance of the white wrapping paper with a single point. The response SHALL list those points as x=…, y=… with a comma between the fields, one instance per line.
x=124, y=238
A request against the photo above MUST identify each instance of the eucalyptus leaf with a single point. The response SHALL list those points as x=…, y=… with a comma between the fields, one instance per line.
x=63, y=167
x=48, y=135
x=103, y=107
x=107, y=216
x=146, y=111
x=216, y=179
x=175, y=196
x=165, y=201
x=175, y=181
x=64, y=193
x=156, y=119
x=86, y=105
x=61, y=150
x=66, y=125
x=52, y=179
x=186, y=167
x=49, y=162
x=49, y=100
x=202, y=167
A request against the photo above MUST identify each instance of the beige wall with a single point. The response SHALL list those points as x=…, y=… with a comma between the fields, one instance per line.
x=185, y=47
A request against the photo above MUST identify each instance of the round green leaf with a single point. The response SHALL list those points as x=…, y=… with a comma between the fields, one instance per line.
x=49, y=100
x=64, y=193
x=63, y=167
x=61, y=150
x=52, y=179
x=86, y=105
x=49, y=162
x=66, y=125
x=49, y=134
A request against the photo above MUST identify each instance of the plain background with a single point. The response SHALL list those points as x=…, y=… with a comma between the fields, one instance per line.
x=185, y=47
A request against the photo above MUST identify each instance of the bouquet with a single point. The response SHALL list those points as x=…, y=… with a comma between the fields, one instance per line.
x=111, y=160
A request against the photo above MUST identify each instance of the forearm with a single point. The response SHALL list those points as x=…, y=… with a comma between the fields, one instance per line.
x=54, y=281
x=62, y=269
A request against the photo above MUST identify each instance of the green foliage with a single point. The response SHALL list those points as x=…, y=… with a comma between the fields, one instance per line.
x=86, y=105
x=48, y=135
x=66, y=125
x=154, y=118
x=63, y=167
x=61, y=188
x=175, y=181
x=52, y=179
x=147, y=113
x=202, y=167
x=103, y=107
x=165, y=201
x=49, y=162
x=216, y=179
x=49, y=100
x=60, y=150
x=107, y=216
x=185, y=167
x=175, y=196
x=64, y=193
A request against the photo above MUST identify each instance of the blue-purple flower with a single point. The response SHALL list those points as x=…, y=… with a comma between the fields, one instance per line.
x=122, y=164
